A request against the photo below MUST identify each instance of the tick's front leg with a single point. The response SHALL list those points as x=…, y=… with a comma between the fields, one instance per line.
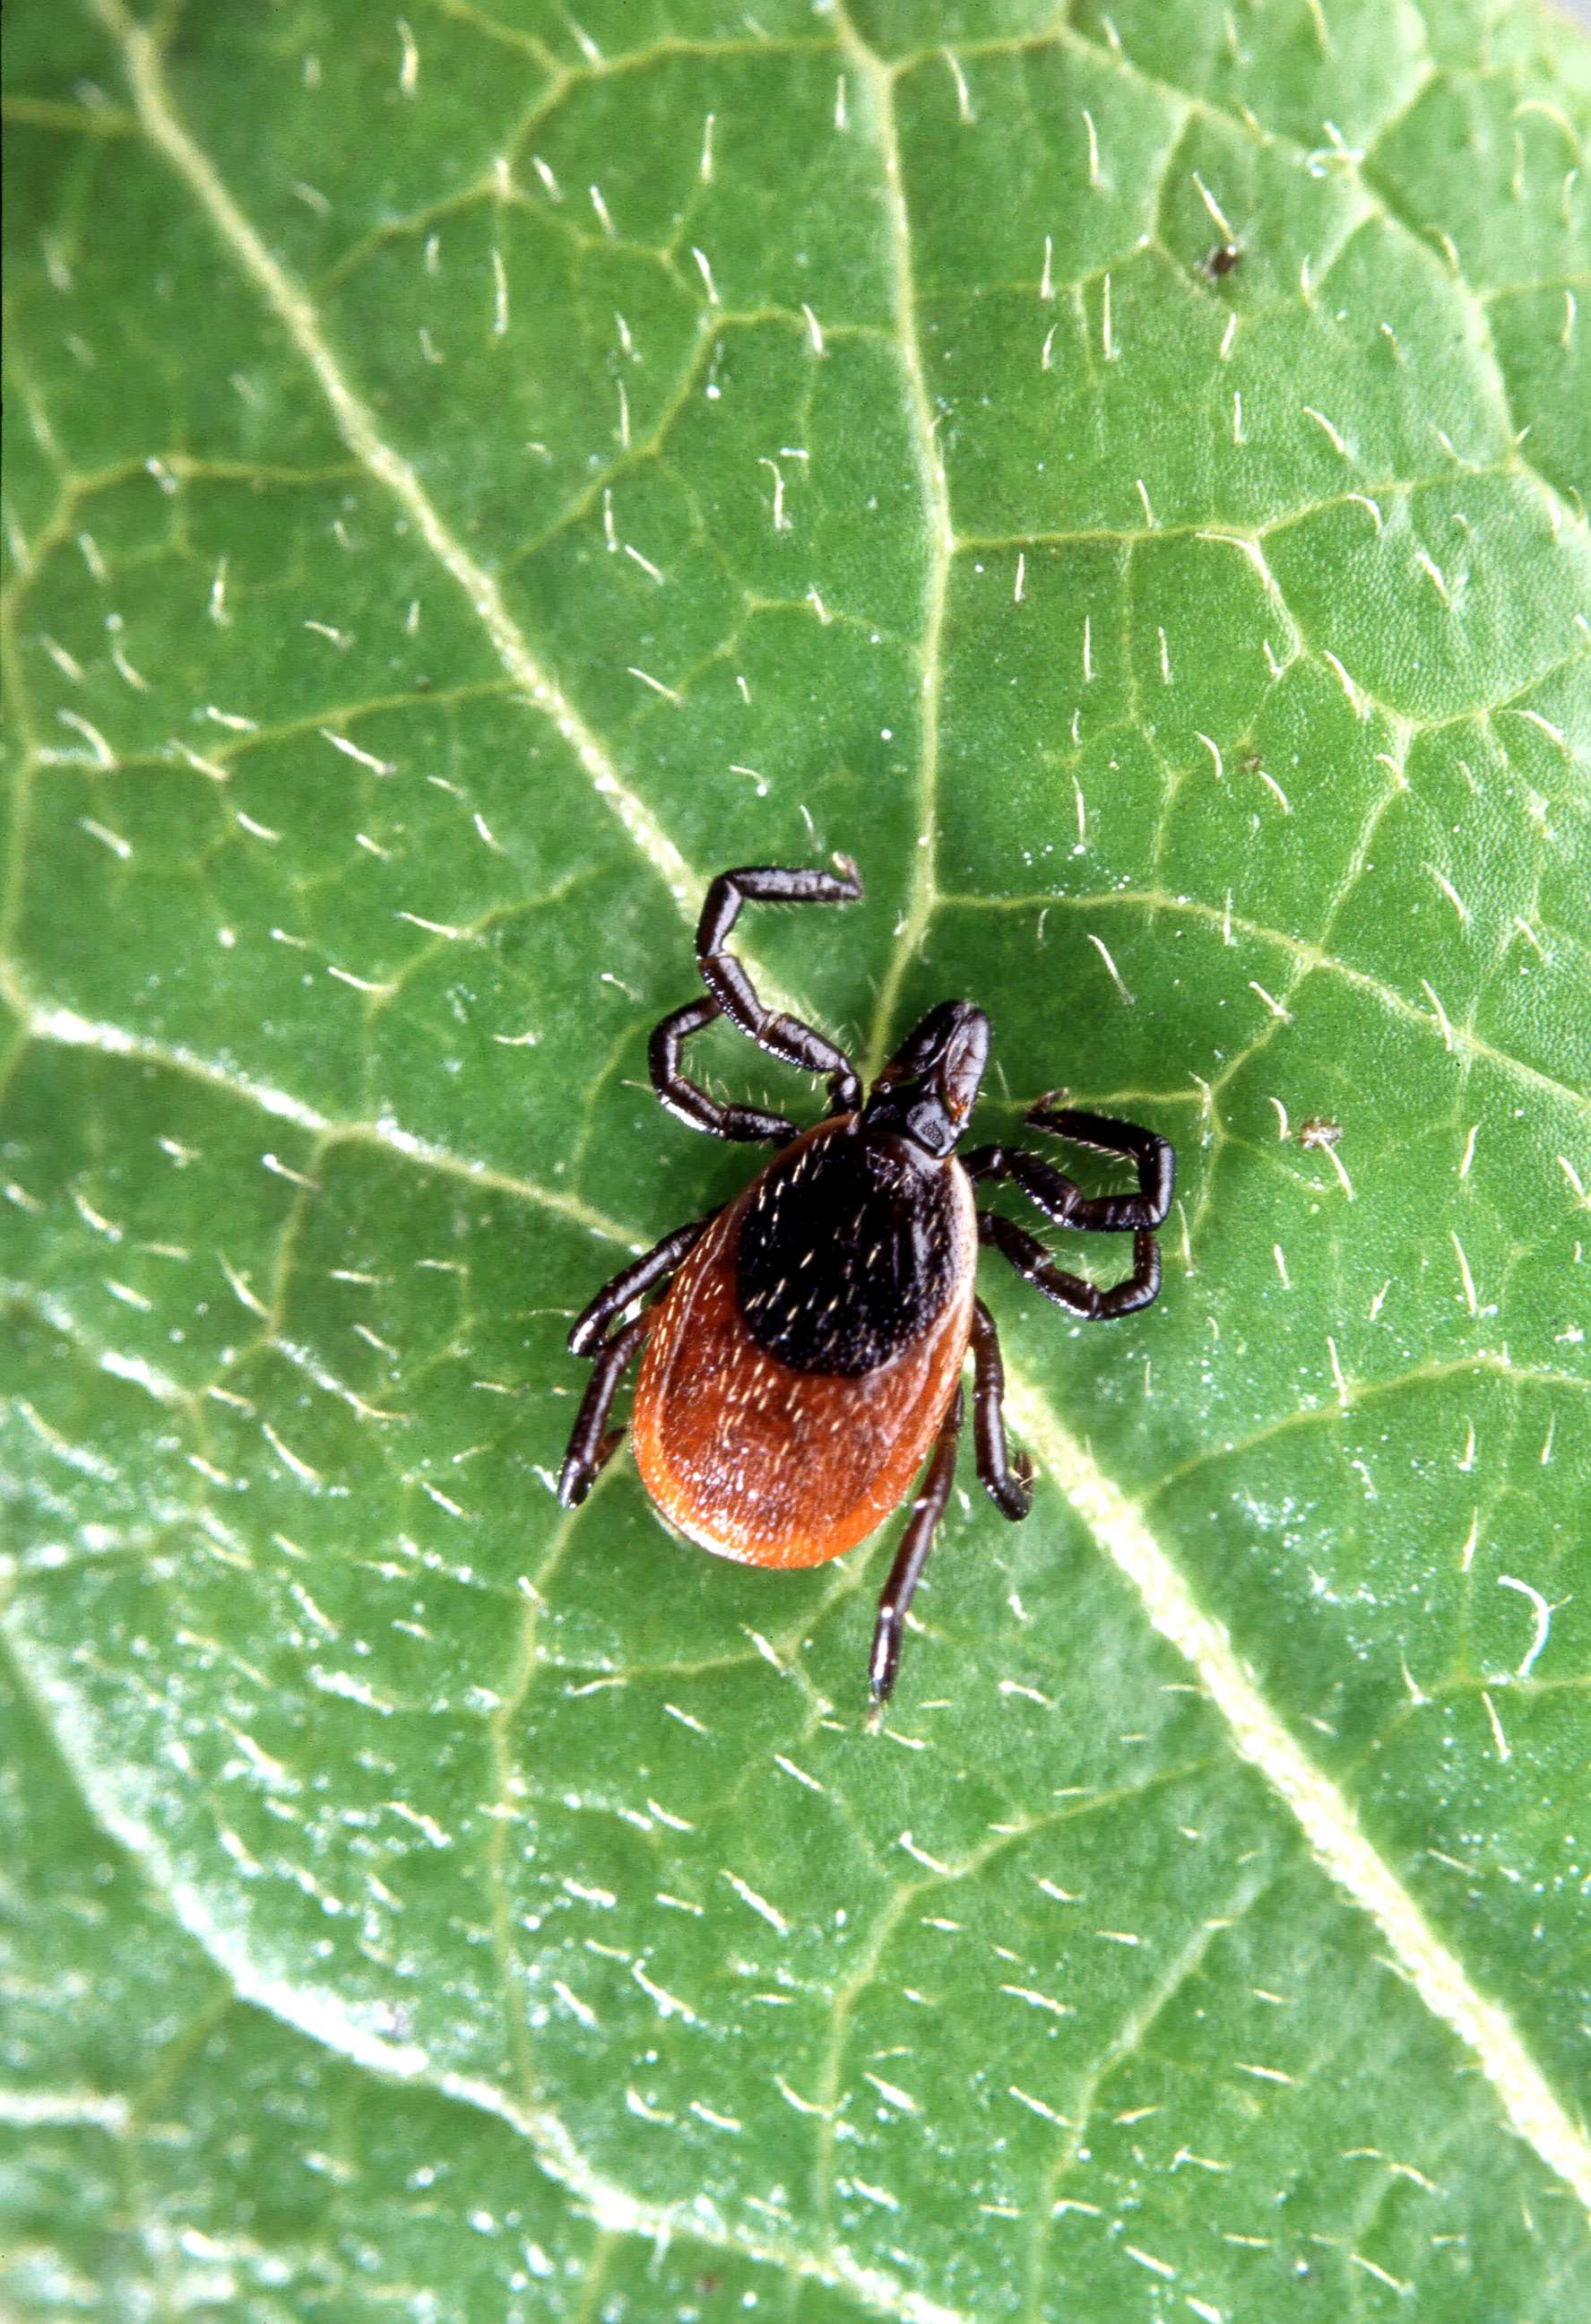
x=1078, y=1296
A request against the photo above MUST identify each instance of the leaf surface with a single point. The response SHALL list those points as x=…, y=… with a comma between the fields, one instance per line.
x=471, y=478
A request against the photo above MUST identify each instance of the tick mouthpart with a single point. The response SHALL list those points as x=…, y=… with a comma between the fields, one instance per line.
x=930, y=1086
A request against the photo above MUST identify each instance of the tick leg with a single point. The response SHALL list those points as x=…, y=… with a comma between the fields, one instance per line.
x=684, y=1099
x=1028, y=1256
x=782, y=1037
x=909, y=1559
x=1062, y=1201
x=591, y=1441
x=1008, y=1484
x=616, y=1294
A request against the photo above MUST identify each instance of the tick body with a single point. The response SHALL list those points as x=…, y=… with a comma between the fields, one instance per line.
x=803, y=1364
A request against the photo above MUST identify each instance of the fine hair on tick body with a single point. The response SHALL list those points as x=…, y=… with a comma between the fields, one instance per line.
x=802, y=1365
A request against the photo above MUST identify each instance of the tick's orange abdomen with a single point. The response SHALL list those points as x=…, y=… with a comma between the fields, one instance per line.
x=769, y=1464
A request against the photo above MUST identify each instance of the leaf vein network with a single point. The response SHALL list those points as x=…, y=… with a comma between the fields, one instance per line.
x=1327, y=1820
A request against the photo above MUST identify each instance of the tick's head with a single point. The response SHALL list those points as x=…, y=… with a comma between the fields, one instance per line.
x=929, y=1087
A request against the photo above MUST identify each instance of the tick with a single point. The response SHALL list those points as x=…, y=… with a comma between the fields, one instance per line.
x=804, y=1361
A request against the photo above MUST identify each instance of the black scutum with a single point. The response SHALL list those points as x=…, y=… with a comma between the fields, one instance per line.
x=847, y=1251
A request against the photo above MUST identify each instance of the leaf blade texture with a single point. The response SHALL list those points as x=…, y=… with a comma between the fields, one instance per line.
x=468, y=480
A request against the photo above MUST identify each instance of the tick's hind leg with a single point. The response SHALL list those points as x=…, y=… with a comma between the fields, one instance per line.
x=1008, y=1482
x=786, y=1037
x=591, y=1441
x=630, y=1281
x=909, y=1559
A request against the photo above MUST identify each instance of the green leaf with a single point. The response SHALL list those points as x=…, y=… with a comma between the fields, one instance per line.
x=470, y=478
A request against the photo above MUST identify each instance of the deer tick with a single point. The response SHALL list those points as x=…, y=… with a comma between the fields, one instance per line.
x=804, y=1361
